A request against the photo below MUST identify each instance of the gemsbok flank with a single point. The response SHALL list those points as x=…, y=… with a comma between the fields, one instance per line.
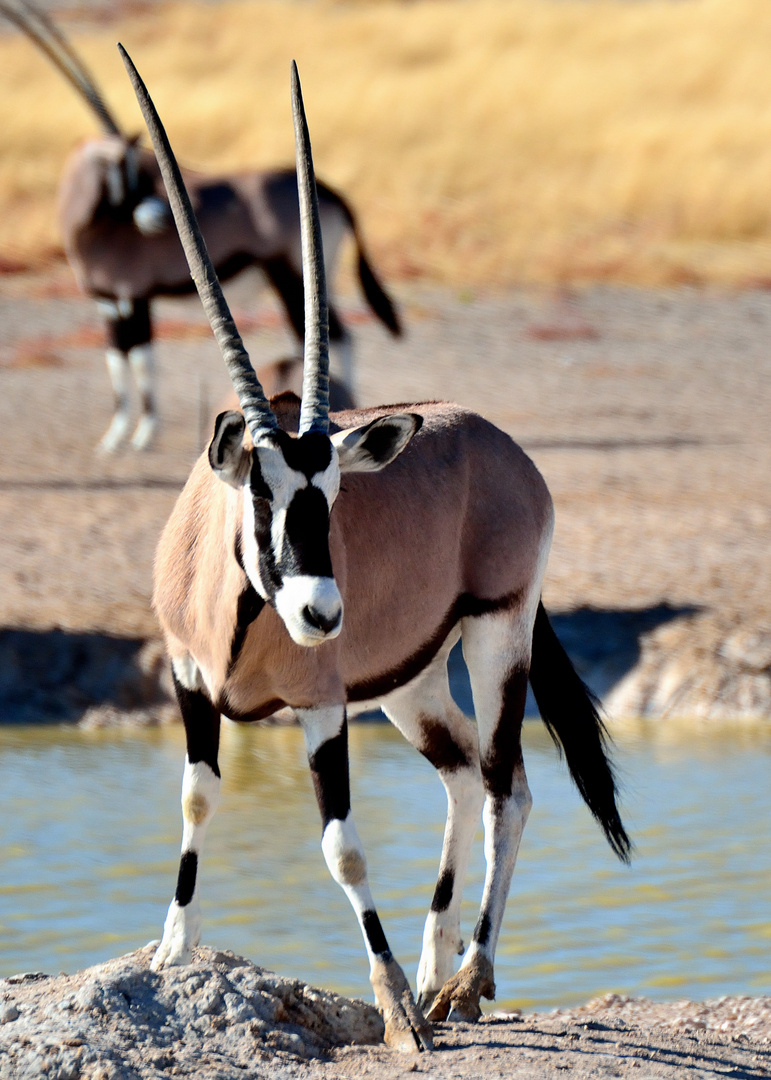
x=276, y=584
x=121, y=243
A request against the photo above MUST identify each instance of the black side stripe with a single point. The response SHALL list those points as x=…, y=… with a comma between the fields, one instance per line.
x=250, y=604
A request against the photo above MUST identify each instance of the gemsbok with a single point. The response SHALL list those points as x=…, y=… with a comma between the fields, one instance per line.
x=121, y=243
x=278, y=584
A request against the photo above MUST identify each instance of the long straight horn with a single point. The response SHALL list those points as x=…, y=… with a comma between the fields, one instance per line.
x=257, y=411
x=53, y=43
x=314, y=415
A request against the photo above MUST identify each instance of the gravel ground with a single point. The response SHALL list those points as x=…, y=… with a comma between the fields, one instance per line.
x=223, y=1018
x=647, y=412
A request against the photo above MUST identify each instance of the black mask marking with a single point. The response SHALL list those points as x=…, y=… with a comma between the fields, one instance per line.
x=307, y=516
x=307, y=534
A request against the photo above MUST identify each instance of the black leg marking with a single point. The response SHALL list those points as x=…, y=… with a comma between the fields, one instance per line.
x=126, y=332
x=505, y=751
x=443, y=891
x=374, y=934
x=482, y=929
x=202, y=726
x=188, y=871
x=439, y=747
x=329, y=769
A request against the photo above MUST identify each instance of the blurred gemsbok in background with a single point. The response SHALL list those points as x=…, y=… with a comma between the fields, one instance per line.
x=120, y=241
x=278, y=585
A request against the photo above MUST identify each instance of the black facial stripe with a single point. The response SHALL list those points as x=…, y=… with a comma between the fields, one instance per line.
x=124, y=333
x=260, y=489
x=270, y=575
x=307, y=535
x=329, y=770
x=188, y=871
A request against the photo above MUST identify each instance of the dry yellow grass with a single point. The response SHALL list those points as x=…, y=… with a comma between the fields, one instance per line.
x=486, y=141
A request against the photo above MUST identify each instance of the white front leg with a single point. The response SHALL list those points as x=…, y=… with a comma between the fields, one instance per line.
x=182, y=929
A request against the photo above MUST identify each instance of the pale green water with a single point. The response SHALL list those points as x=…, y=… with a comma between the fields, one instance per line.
x=90, y=828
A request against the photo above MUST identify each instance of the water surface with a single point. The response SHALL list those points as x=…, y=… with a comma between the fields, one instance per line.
x=90, y=829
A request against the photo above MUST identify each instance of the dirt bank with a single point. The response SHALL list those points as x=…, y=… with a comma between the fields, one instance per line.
x=222, y=1018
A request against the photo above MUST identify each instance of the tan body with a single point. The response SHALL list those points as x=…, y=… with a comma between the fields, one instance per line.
x=413, y=549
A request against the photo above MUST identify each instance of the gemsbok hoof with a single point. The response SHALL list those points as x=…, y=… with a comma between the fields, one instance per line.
x=406, y=1028
x=458, y=1000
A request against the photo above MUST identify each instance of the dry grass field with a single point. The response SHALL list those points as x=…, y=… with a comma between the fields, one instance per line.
x=484, y=142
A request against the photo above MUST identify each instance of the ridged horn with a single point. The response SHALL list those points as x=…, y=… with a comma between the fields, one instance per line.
x=257, y=411
x=314, y=414
x=50, y=40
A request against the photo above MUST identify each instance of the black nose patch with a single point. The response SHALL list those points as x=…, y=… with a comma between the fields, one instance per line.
x=307, y=534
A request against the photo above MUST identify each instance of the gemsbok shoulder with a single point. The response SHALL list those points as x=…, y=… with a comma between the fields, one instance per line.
x=276, y=584
x=121, y=243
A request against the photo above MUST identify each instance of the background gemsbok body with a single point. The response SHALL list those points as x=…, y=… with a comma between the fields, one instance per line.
x=120, y=239
x=278, y=584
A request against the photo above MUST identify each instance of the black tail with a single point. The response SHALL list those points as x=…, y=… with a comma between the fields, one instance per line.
x=378, y=299
x=570, y=713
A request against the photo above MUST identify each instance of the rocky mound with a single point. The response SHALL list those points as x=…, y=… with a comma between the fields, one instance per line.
x=212, y=1018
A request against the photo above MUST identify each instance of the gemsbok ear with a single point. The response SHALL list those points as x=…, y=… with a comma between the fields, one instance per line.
x=372, y=447
x=227, y=456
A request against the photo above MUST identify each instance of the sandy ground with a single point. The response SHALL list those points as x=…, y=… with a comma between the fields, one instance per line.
x=222, y=1018
x=647, y=412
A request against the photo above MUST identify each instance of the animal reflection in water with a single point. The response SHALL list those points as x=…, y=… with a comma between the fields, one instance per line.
x=441, y=529
x=120, y=240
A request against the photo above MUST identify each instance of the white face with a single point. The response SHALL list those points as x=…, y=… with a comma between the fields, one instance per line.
x=288, y=495
x=288, y=487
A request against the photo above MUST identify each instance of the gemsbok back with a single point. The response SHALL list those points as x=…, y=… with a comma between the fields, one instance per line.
x=276, y=584
x=121, y=243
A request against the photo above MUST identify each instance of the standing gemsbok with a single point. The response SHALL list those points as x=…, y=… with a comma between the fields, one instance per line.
x=120, y=239
x=276, y=585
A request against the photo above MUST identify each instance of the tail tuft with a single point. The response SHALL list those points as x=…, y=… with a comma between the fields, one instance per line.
x=570, y=712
